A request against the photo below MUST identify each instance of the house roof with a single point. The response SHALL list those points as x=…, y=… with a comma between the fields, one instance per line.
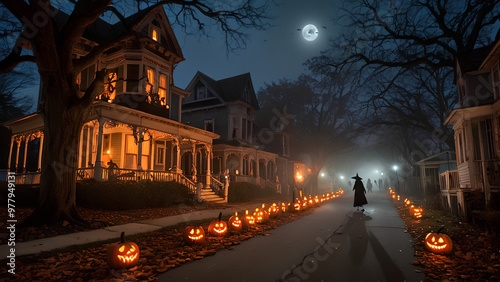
x=443, y=157
x=472, y=61
x=101, y=31
x=229, y=89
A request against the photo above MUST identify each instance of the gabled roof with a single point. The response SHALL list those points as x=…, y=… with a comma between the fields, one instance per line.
x=230, y=89
x=472, y=61
x=443, y=157
x=101, y=31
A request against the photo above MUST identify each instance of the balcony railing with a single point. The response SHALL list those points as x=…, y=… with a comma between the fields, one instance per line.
x=448, y=180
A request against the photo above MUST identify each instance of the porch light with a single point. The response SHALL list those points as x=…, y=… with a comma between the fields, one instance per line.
x=108, y=152
x=298, y=177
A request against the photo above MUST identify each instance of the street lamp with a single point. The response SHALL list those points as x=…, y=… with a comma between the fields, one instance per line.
x=395, y=167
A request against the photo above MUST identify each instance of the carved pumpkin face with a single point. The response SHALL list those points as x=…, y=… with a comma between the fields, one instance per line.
x=417, y=212
x=123, y=254
x=217, y=228
x=194, y=235
x=248, y=220
x=273, y=211
x=258, y=216
x=265, y=213
x=283, y=207
x=235, y=222
x=438, y=243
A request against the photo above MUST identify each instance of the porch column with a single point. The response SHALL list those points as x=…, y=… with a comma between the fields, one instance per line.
x=194, y=163
x=209, y=157
x=26, y=141
x=80, y=149
x=240, y=170
x=139, y=148
x=178, y=159
x=18, y=143
x=10, y=152
x=40, y=150
x=98, y=171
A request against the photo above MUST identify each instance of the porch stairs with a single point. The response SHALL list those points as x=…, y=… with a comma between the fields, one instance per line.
x=211, y=197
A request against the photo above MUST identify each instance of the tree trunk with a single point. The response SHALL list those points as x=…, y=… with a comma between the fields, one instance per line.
x=63, y=120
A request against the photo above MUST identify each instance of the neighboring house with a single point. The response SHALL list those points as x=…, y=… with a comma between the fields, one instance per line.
x=432, y=173
x=136, y=122
x=477, y=129
x=226, y=107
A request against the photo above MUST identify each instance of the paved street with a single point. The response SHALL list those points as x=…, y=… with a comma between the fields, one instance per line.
x=335, y=243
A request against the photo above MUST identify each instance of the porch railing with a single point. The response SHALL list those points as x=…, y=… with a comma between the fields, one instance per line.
x=449, y=180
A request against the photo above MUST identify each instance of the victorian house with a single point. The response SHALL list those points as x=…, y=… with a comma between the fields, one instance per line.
x=250, y=154
x=476, y=124
x=134, y=126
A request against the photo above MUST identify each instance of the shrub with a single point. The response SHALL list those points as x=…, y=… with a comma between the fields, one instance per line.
x=25, y=195
x=240, y=192
x=130, y=195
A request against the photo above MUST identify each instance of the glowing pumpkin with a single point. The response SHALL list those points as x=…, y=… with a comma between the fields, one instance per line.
x=417, y=212
x=259, y=216
x=283, y=207
x=273, y=210
x=194, y=235
x=218, y=227
x=438, y=243
x=265, y=213
x=123, y=254
x=235, y=222
x=248, y=220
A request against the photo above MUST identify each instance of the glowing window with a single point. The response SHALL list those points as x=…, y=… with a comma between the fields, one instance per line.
x=151, y=80
x=162, y=89
x=154, y=35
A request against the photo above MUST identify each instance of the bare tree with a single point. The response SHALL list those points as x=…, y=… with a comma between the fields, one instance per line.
x=65, y=108
x=405, y=51
x=321, y=107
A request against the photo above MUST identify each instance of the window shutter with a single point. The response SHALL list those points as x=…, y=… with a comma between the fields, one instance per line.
x=132, y=78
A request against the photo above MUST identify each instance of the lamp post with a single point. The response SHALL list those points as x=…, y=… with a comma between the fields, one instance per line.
x=395, y=167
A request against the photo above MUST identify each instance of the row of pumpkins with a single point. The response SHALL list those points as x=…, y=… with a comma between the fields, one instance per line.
x=437, y=242
x=196, y=234
x=126, y=254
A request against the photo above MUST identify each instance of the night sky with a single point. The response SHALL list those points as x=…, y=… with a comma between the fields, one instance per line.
x=270, y=55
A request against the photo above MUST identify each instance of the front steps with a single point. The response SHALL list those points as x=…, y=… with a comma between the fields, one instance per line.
x=209, y=195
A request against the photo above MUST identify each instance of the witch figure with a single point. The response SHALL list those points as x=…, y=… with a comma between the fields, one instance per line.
x=359, y=193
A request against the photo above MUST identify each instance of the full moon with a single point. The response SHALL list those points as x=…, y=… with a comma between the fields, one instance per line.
x=310, y=32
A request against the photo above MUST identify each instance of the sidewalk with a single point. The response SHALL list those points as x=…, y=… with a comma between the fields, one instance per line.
x=113, y=232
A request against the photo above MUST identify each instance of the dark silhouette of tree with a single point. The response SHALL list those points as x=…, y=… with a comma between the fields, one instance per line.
x=65, y=108
x=405, y=51
x=320, y=112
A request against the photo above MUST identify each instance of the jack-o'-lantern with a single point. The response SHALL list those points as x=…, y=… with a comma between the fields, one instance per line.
x=248, y=220
x=297, y=206
x=438, y=243
x=273, y=210
x=417, y=212
x=194, y=235
x=316, y=200
x=235, y=223
x=284, y=207
x=258, y=215
x=265, y=213
x=123, y=254
x=218, y=227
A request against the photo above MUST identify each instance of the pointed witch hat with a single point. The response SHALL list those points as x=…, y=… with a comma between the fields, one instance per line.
x=356, y=177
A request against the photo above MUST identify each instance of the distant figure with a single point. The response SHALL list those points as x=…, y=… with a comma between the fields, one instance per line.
x=380, y=184
x=359, y=193
x=112, y=166
x=369, y=185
